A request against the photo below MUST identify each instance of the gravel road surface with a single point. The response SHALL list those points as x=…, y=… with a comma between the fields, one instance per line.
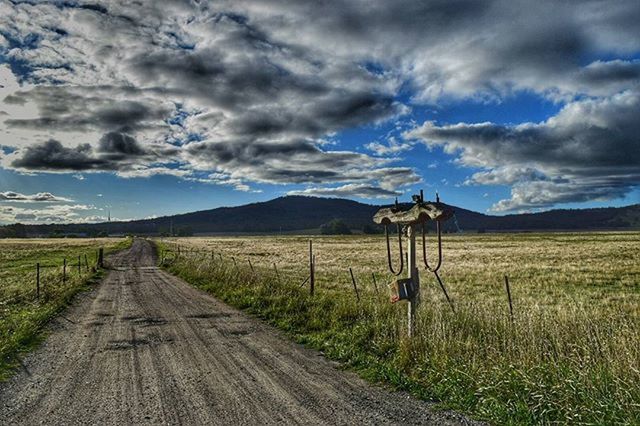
x=144, y=347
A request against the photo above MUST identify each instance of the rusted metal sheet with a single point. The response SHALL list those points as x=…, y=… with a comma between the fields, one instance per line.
x=416, y=214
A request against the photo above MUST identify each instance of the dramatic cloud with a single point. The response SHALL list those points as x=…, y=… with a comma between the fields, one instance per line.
x=34, y=198
x=241, y=92
x=589, y=151
x=53, y=156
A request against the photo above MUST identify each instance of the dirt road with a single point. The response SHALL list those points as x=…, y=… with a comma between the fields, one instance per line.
x=145, y=347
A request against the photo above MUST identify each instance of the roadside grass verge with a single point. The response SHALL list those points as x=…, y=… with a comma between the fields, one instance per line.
x=22, y=317
x=574, y=362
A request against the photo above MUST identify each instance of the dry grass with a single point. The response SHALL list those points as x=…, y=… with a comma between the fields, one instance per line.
x=572, y=355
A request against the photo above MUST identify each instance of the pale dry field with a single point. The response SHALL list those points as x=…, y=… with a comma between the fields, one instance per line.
x=544, y=269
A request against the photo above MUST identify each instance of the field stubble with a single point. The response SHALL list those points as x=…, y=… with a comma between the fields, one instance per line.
x=571, y=355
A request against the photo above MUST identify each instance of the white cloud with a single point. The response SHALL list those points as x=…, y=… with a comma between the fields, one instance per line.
x=50, y=213
x=589, y=151
x=40, y=197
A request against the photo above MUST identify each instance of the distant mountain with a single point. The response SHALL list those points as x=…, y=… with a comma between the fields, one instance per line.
x=297, y=213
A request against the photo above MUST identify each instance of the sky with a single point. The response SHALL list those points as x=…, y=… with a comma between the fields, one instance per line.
x=143, y=109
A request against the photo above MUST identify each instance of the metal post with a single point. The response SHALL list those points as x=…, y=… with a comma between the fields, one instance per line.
x=38, y=281
x=355, y=286
x=412, y=272
x=506, y=284
x=312, y=277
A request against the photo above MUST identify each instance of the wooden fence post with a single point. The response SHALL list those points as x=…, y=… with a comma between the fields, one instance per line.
x=312, y=276
x=275, y=268
x=38, y=281
x=355, y=286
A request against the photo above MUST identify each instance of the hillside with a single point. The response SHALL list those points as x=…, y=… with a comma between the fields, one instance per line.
x=300, y=213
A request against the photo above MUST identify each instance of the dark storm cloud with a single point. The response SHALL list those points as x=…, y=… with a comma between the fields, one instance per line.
x=52, y=155
x=116, y=152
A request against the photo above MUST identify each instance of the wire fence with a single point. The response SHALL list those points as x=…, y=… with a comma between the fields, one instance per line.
x=308, y=273
x=44, y=280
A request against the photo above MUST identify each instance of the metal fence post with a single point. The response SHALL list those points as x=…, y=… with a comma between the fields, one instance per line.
x=38, y=280
x=312, y=275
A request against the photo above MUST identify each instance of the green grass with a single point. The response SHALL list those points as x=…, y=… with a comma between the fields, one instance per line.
x=21, y=315
x=571, y=356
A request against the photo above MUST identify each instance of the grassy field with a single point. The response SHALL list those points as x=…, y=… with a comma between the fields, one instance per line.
x=21, y=315
x=571, y=354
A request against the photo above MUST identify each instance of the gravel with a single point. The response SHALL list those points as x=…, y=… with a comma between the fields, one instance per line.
x=144, y=347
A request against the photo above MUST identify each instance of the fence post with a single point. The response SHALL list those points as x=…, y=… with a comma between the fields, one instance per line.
x=506, y=284
x=375, y=283
x=312, y=275
x=86, y=262
x=101, y=257
x=38, y=280
x=64, y=271
x=355, y=287
x=275, y=268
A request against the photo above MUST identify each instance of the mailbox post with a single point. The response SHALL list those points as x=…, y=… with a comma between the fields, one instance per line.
x=414, y=276
x=409, y=218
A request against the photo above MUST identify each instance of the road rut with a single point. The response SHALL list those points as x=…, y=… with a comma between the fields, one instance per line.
x=145, y=347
